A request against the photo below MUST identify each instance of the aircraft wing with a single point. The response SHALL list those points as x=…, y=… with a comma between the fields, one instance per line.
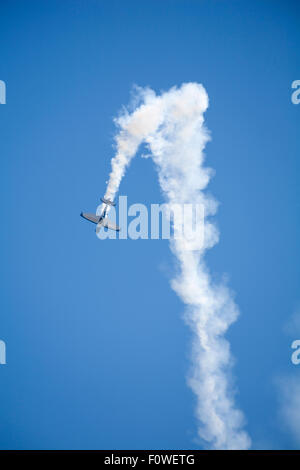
x=91, y=217
x=109, y=224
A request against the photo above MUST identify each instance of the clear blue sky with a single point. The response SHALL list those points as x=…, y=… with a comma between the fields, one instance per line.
x=97, y=351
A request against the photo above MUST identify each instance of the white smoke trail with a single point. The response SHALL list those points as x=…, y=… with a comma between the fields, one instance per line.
x=172, y=126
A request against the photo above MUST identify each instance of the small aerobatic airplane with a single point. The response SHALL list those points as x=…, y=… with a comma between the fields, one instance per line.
x=101, y=220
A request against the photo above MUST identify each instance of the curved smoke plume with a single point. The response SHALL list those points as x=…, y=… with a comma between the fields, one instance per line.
x=172, y=126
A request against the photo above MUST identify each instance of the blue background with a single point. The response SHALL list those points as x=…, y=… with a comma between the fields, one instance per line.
x=97, y=351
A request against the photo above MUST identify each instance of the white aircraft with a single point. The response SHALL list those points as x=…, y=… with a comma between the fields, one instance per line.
x=101, y=220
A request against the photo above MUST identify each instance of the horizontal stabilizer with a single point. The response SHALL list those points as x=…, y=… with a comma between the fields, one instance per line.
x=108, y=202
